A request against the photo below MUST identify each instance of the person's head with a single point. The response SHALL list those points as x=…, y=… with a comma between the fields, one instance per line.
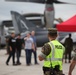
x=13, y=34
x=33, y=33
x=70, y=35
x=19, y=36
x=52, y=33
x=28, y=34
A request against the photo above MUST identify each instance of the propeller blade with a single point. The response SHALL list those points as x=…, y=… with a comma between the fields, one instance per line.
x=36, y=1
x=59, y=2
x=41, y=1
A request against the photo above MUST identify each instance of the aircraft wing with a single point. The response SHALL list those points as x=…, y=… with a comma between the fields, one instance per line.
x=36, y=1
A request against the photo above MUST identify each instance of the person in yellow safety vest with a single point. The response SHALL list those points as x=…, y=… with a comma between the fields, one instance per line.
x=52, y=54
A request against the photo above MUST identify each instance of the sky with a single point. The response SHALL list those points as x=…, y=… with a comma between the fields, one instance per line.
x=64, y=11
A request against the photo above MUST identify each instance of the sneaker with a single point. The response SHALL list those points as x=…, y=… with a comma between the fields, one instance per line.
x=14, y=64
x=27, y=64
x=19, y=63
x=6, y=53
x=65, y=61
x=36, y=63
x=69, y=61
x=7, y=63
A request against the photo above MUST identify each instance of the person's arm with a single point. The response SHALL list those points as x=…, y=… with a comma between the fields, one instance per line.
x=65, y=42
x=23, y=45
x=22, y=42
x=10, y=48
x=10, y=44
x=72, y=65
x=46, y=49
x=25, y=38
x=72, y=44
x=33, y=45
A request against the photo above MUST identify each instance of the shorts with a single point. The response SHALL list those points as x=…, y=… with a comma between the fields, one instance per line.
x=74, y=58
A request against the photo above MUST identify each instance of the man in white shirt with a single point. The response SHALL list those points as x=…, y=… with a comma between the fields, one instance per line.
x=29, y=45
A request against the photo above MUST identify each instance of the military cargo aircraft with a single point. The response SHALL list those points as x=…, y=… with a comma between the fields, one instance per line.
x=48, y=17
x=49, y=9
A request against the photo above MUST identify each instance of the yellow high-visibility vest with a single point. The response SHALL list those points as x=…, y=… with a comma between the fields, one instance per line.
x=56, y=55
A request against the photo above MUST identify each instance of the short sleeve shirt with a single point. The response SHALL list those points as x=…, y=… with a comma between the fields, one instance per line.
x=12, y=42
x=46, y=49
x=28, y=43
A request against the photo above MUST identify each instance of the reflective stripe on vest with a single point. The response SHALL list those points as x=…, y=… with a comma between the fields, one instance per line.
x=53, y=59
x=53, y=54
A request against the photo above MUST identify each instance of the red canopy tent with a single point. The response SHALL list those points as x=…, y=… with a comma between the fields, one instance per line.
x=68, y=26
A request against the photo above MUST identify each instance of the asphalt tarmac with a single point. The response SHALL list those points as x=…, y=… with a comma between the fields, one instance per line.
x=23, y=69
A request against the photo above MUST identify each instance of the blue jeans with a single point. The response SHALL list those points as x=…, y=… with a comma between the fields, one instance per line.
x=28, y=56
x=35, y=56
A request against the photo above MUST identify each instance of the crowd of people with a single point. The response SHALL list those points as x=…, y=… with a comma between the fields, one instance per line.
x=52, y=52
x=15, y=45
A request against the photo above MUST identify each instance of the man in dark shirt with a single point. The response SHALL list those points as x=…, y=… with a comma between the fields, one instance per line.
x=12, y=46
x=68, y=47
x=19, y=44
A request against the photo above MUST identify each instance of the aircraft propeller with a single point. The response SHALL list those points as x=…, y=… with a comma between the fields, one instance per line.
x=42, y=1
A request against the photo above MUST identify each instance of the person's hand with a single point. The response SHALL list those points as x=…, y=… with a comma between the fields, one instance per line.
x=33, y=46
x=23, y=46
x=40, y=58
x=25, y=38
x=10, y=49
x=69, y=74
x=33, y=49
